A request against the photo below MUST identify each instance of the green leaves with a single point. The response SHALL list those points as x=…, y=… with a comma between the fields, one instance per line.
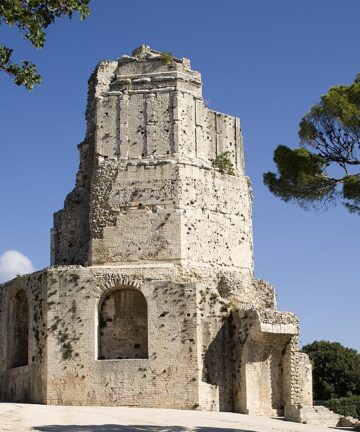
x=301, y=177
x=24, y=74
x=329, y=136
x=336, y=369
x=167, y=57
x=351, y=193
x=351, y=187
x=223, y=163
x=32, y=17
x=345, y=406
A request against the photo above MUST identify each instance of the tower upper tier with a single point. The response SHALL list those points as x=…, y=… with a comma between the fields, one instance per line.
x=146, y=190
x=152, y=106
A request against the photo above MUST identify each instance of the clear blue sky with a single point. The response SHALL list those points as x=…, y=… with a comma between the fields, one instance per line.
x=264, y=61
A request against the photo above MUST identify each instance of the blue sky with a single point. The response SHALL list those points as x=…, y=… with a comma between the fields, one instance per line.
x=264, y=61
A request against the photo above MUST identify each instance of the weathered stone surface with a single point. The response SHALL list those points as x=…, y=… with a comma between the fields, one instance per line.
x=151, y=299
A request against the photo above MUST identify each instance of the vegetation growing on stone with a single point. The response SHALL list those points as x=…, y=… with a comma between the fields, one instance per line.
x=223, y=163
x=167, y=57
x=329, y=140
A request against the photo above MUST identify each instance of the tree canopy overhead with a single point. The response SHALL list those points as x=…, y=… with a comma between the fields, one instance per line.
x=329, y=140
x=32, y=17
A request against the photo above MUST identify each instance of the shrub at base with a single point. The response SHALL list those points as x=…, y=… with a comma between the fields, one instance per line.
x=346, y=406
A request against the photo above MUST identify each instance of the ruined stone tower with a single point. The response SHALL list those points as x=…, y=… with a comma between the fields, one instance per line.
x=151, y=299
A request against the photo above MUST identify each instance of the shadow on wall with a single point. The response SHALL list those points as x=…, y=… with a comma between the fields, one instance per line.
x=131, y=428
x=219, y=363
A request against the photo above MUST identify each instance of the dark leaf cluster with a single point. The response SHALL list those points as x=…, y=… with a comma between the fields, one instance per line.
x=301, y=177
x=223, y=163
x=336, y=369
x=329, y=137
x=32, y=17
x=345, y=406
x=24, y=74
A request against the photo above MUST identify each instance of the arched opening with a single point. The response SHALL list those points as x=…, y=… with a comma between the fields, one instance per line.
x=19, y=331
x=123, y=325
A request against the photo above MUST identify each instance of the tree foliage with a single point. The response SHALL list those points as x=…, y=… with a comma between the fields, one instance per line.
x=32, y=17
x=336, y=370
x=329, y=140
x=345, y=406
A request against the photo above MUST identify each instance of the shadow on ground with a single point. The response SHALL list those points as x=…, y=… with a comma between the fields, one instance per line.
x=343, y=428
x=131, y=428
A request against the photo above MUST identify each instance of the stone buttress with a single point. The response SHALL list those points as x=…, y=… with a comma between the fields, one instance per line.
x=150, y=299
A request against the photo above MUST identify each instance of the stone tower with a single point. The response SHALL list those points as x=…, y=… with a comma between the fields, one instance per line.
x=151, y=298
x=146, y=192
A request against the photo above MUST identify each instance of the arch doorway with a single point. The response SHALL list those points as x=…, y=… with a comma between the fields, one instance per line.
x=123, y=325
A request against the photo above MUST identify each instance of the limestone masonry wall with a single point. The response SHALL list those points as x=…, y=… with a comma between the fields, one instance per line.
x=151, y=298
x=146, y=166
x=23, y=326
